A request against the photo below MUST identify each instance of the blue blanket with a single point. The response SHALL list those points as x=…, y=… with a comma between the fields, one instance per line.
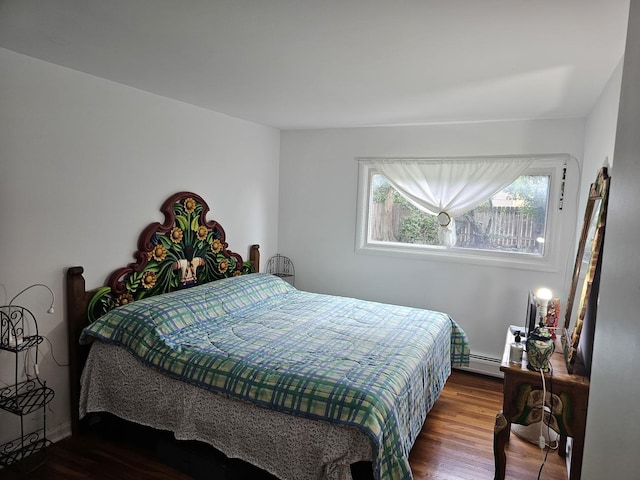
x=374, y=366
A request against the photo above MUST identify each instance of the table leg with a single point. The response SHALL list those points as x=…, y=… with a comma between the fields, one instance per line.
x=500, y=436
x=562, y=446
x=576, y=457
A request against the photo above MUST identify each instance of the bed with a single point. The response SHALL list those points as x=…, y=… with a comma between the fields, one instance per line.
x=192, y=339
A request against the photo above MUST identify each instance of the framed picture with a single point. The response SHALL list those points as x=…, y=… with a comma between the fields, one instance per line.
x=588, y=254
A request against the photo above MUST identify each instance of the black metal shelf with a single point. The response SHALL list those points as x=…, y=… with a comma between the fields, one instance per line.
x=25, y=343
x=22, y=447
x=25, y=397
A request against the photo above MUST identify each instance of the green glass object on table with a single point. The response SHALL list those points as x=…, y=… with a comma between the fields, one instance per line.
x=540, y=347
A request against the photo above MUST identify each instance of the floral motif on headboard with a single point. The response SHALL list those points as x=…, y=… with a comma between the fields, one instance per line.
x=184, y=251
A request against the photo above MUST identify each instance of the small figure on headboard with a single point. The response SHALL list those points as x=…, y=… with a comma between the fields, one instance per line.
x=188, y=267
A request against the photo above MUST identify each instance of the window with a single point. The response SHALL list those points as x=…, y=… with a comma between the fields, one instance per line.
x=516, y=227
x=513, y=220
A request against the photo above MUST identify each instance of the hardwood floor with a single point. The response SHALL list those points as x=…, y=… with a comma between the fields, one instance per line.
x=456, y=443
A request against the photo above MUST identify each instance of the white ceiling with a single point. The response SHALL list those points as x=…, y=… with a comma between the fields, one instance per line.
x=337, y=63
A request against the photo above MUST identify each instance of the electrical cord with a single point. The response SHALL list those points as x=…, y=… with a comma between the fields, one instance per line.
x=542, y=442
x=52, y=355
x=36, y=369
x=544, y=460
x=551, y=407
x=541, y=439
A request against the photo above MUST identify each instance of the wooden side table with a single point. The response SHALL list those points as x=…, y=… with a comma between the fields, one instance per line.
x=567, y=396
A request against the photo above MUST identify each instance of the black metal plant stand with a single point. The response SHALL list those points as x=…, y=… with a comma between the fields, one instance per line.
x=28, y=393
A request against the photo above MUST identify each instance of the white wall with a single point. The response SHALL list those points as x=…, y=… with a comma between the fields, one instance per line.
x=86, y=164
x=318, y=178
x=600, y=137
x=611, y=445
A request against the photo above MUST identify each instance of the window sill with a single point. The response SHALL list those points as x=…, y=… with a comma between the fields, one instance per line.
x=521, y=261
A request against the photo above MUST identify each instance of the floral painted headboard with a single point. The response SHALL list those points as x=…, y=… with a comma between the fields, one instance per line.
x=185, y=250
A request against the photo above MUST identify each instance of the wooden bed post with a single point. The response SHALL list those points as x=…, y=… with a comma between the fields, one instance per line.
x=254, y=256
x=77, y=298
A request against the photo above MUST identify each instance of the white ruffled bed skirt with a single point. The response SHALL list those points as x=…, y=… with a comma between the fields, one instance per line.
x=289, y=447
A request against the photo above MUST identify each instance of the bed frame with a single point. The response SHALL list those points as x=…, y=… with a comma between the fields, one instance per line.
x=183, y=251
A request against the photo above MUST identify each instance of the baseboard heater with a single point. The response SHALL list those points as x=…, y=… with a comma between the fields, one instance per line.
x=484, y=365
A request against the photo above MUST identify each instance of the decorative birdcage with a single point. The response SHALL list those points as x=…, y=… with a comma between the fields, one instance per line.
x=282, y=267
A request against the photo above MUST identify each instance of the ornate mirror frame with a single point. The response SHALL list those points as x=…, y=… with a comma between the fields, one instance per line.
x=589, y=247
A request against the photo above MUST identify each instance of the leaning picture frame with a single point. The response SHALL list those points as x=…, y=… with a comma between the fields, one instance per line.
x=588, y=253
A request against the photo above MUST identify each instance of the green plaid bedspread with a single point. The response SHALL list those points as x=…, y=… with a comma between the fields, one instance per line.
x=374, y=366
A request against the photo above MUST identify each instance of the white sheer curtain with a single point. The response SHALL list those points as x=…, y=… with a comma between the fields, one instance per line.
x=450, y=187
